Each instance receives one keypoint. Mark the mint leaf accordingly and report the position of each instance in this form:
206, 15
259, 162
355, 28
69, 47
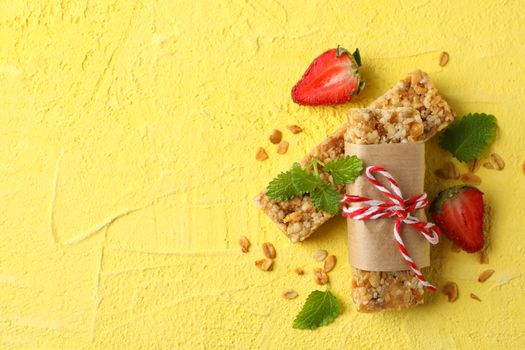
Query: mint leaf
344, 170
468, 136
303, 181
281, 188
326, 198
320, 309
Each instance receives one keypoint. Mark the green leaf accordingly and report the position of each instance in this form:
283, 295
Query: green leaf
468, 136
320, 309
303, 181
345, 170
326, 198
281, 188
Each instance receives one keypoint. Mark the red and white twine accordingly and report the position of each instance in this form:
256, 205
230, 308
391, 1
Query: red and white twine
397, 207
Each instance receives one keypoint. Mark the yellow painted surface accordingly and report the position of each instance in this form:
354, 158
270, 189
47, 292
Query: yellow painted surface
127, 141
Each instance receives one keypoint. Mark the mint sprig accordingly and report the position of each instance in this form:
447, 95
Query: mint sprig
467, 137
298, 181
320, 309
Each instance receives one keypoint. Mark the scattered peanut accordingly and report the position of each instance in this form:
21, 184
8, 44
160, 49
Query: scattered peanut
523, 168
474, 165
261, 154
268, 250
320, 255
329, 263
282, 147
485, 275
245, 244
475, 297
450, 289
443, 58
299, 271
295, 129
471, 179
488, 165
290, 294
320, 277
452, 170
483, 257
276, 136
496, 161
264, 264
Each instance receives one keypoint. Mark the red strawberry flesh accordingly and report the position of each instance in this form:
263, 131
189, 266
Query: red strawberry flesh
458, 211
330, 79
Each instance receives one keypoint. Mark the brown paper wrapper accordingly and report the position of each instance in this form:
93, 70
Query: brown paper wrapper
371, 243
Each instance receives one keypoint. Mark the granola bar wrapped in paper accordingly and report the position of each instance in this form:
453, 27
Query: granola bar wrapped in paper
390, 288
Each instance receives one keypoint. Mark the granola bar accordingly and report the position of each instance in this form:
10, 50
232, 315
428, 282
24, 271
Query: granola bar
298, 218
376, 290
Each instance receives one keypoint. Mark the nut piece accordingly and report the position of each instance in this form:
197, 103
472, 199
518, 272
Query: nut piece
329, 263
471, 179
290, 294
451, 170
299, 271
261, 154
245, 244
282, 147
450, 289
475, 297
485, 275
268, 250
276, 136
496, 161
441, 173
488, 165
474, 165
320, 255
443, 58
264, 264
523, 168
295, 129
483, 257
320, 277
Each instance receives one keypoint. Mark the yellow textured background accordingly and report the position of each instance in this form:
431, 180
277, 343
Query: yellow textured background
127, 138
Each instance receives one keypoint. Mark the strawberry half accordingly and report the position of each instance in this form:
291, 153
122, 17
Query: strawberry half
332, 78
459, 211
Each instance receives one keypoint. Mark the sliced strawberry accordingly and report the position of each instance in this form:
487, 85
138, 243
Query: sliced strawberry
332, 78
459, 211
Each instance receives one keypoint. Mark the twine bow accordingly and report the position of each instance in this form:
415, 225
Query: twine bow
397, 207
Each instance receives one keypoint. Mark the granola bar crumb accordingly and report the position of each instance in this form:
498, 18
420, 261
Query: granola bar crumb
290, 294
320, 277
450, 289
320, 255
268, 250
261, 154
295, 129
282, 147
496, 161
245, 244
299, 271
276, 136
443, 58
329, 263
474, 165
471, 179
264, 264
474, 296
485, 275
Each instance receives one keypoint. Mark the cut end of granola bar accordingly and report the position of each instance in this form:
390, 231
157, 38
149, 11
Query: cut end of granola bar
418, 91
